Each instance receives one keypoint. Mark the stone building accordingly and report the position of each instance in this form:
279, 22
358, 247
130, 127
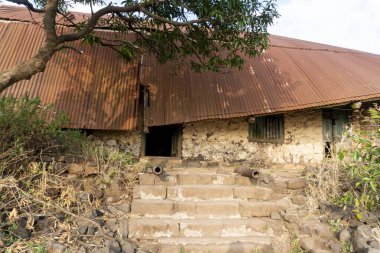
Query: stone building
290, 105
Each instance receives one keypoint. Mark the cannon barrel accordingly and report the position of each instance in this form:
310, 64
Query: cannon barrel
247, 172
157, 170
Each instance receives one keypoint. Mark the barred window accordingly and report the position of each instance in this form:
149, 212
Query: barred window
267, 129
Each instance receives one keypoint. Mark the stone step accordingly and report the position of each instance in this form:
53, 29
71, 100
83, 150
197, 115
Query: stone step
169, 228
279, 184
233, 209
201, 192
175, 178
216, 245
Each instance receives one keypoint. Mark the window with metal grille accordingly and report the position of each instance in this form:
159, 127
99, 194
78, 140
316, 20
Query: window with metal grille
267, 129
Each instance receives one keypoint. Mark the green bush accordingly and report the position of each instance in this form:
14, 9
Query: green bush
360, 164
28, 129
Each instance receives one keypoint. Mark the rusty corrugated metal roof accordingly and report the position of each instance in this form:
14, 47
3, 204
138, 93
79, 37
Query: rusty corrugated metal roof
96, 89
15, 13
291, 75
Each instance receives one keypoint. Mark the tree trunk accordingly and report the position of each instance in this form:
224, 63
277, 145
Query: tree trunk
38, 62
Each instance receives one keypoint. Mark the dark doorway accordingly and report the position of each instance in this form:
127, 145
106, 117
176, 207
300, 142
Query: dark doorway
163, 141
335, 122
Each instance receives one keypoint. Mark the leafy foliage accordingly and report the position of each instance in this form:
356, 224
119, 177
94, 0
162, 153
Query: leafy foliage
105, 156
206, 34
27, 129
360, 162
212, 34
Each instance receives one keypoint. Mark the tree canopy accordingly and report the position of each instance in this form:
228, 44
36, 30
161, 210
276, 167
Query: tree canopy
212, 33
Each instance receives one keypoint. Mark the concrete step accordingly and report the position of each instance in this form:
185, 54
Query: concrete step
177, 178
187, 228
280, 184
233, 209
201, 192
216, 245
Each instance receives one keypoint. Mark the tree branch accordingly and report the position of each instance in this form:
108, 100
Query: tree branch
71, 48
89, 27
168, 21
28, 4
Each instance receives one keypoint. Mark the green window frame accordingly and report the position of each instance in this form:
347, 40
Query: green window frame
268, 129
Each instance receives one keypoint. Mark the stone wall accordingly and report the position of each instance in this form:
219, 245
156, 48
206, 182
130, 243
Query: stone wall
227, 141
128, 141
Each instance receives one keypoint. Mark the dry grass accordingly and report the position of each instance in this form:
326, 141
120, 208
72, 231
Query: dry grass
43, 190
324, 184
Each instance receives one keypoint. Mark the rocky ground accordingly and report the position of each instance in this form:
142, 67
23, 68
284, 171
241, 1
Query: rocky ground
93, 209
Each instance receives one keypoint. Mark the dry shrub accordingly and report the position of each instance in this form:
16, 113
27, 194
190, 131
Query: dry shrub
324, 184
43, 190
32, 192
351, 177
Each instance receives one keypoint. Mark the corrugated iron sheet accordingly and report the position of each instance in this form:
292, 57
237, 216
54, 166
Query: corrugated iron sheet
291, 75
96, 89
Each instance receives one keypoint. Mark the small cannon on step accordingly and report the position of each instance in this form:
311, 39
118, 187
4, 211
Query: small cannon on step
247, 172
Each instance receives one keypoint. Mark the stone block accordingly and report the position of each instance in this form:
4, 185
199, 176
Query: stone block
257, 209
284, 203
152, 207
151, 192
146, 179
199, 228
299, 200
252, 192
244, 181
204, 192
170, 249
296, 183
223, 179
275, 215
166, 179
245, 228
279, 185
185, 209
195, 179
152, 229
323, 230
309, 244
218, 210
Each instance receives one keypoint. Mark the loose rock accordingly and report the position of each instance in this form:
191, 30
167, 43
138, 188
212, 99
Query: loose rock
55, 247
344, 236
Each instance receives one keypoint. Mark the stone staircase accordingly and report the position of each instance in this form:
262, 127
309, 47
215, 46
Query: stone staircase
210, 210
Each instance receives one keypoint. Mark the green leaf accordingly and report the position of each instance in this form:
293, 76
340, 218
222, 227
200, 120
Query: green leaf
356, 155
373, 186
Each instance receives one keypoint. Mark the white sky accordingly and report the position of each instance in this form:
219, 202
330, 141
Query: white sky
347, 23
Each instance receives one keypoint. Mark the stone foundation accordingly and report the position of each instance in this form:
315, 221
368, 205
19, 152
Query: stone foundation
127, 141
227, 141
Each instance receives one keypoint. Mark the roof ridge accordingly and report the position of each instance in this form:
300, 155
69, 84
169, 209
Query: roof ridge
348, 51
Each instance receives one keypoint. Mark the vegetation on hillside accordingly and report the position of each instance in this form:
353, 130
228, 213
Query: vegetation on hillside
40, 200
351, 178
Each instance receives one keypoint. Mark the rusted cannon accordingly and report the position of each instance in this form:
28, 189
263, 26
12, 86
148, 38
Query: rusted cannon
156, 170
247, 172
